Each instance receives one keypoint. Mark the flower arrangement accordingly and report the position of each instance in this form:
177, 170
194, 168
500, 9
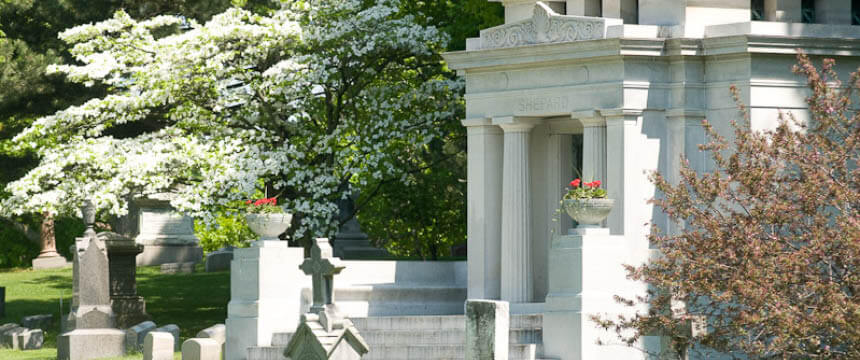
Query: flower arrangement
263, 206
580, 190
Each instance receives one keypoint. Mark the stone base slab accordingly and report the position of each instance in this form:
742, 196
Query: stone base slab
50, 262
164, 254
85, 344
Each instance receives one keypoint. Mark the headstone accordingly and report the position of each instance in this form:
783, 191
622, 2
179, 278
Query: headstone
128, 307
31, 339
167, 235
48, 258
201, 349
324, 333
350, 242
91, 320
216, 332
91, 307
173, 330
178, 268
9, 337
2, 301
41, 321
135, 336
158, 346
487, 329
219, 260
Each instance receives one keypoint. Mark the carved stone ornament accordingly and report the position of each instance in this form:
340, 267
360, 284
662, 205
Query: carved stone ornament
545, 26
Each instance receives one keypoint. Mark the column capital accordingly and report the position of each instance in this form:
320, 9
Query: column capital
512, 124
589, 118
478, 121
621, 116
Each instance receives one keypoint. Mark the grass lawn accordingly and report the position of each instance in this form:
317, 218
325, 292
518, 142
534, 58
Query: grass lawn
192, 301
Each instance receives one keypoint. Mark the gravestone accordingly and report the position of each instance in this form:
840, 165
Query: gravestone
31, 339
135, 336
324, 333
487, 329
173, 330
2, 301
9, 337
167, 235
91, 320
128, 307
350, 242
201, 349
219, 260
42, 321
215, 332
158, 346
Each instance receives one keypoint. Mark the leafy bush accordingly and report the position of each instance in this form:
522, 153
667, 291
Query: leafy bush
229, 230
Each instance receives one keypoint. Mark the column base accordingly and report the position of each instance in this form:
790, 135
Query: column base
50, 262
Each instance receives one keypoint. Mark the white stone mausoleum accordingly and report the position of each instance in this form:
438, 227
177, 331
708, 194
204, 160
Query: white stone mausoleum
599, 89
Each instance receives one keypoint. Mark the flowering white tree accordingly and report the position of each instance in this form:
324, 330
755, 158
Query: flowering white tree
330, 95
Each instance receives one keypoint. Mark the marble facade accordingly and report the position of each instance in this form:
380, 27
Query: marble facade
633, 80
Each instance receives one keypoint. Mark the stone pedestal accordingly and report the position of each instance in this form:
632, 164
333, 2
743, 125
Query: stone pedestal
85, 344
487, 330
585, 272
49, 262
129, 308
265, 295
167, 235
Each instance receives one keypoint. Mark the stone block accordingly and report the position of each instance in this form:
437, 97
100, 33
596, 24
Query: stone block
201, 349
487, 329
9, 337
41, 321
163, 254
158, 346
135, 336
177, 268
50, 262
173, 330
85, 344
219, 260
31, 339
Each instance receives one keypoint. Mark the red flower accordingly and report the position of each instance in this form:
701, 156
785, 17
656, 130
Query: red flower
248, 202
575, 182
595, 183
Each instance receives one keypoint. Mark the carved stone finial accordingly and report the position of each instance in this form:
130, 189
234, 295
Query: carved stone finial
88, 212
546, 26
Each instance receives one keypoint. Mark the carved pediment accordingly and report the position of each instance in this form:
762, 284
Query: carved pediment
546, 26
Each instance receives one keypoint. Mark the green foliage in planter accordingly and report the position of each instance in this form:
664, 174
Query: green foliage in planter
229, 230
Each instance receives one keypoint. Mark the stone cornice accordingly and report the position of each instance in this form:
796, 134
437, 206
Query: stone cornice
516, 123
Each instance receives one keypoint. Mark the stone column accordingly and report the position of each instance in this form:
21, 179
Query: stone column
583, 7
593, 148
624, 175
560, 173
48, 258
484, 208
621, 9
833, 12
517, 285
684, 134
782, 10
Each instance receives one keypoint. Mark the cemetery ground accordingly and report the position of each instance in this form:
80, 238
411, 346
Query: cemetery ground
192, 301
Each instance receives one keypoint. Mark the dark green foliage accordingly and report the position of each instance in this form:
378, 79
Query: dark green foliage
231, 230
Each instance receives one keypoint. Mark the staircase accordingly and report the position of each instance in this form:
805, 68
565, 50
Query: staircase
424, 337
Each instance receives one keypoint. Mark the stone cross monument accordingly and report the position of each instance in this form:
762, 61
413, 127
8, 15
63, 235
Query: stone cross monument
323, 333
322, 267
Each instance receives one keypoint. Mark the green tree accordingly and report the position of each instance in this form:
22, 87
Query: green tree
769, 254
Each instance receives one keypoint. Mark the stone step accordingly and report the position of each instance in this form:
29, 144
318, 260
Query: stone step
441, 337
281, 339
400, 300
435, 352
437, 322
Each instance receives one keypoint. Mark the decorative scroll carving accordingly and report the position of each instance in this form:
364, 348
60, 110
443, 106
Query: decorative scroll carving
545, 26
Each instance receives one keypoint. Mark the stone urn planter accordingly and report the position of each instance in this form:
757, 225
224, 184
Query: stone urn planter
269, 226
588, 212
